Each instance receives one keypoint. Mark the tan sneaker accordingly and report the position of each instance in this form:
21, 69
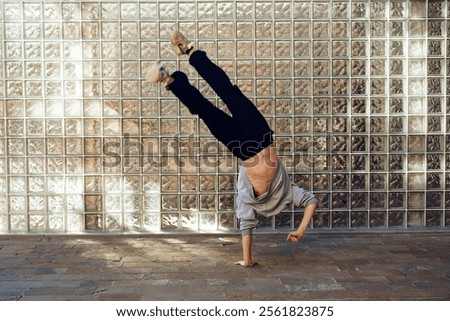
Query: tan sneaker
157, 74
181, 44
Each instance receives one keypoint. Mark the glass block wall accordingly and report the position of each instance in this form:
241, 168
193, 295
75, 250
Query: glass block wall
357, 92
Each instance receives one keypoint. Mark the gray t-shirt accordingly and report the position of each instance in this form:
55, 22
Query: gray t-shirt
281, 193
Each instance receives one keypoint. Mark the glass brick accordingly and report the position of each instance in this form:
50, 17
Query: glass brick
435, 48
302, 29
435, 28
435, 143
321, 29
227, 221
433, 218
13, 50
396, 48
189, 183
416, 124
377, 219
263, 29
321, 49
435, 86
416, 143
93, 222
113, 222
322, 220
396, 28
415, 219
434, 200
226, 202
377, 29
358, 125
339, 181
283, 10
434, 181
284, 220
417, 28
378, 162
302, 48
340, 68
17, 184
397, 9
149, 127
36, 166
264, 222
396, 219
321, 182
340, 10
37, 204
359, 219
56, 223
378, 200
189, 221
18, 222
133, 221
189, 202
359, 29
90, 11
207, 183
321, 10
378, 9
340, 219
225, 30
396, 181
152, 221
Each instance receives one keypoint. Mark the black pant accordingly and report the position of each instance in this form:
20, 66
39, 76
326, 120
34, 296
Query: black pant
246, 132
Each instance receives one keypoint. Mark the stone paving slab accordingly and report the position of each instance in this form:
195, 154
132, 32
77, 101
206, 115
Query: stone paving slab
394, 266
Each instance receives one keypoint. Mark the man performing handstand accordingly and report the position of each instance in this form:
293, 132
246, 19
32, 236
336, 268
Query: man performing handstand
264, 187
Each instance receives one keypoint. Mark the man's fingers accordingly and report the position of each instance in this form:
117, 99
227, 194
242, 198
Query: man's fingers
293, 238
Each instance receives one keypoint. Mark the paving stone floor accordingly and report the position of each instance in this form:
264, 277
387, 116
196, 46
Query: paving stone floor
394, 266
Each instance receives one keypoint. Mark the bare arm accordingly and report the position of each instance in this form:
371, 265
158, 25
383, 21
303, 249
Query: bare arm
247, 251
293, 236
308, 214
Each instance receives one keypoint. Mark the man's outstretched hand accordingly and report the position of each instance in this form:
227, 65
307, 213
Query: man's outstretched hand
295, 237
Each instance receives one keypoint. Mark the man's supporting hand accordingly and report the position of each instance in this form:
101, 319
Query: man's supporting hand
245, 264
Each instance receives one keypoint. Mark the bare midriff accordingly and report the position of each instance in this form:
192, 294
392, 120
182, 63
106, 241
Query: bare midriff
261, 168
